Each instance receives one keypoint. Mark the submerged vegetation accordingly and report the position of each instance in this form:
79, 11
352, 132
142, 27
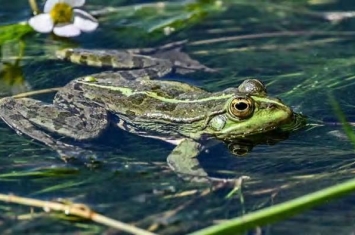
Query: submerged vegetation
302, 50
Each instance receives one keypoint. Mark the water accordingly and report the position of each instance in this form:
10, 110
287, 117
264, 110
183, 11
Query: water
291, 47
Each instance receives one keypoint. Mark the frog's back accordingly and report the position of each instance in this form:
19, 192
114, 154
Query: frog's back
149, 99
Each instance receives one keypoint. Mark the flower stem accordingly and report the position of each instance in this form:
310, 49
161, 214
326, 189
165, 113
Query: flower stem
34, 7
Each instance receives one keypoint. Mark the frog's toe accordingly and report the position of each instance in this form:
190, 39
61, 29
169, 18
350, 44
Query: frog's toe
228, 182
194, 178
79, 156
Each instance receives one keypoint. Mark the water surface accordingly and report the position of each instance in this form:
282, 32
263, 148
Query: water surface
292, 47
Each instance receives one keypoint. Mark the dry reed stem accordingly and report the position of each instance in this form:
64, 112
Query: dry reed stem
79, 210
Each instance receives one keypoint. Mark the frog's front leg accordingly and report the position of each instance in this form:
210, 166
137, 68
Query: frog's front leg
183, 160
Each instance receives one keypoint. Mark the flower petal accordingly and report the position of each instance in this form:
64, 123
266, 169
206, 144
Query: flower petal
68, 30
84, 21
41, 23
74, 3
49, 5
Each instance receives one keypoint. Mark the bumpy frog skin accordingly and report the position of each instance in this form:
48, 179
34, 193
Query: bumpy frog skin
133, 101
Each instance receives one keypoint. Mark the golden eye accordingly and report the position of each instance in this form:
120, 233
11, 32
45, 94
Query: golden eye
241, 107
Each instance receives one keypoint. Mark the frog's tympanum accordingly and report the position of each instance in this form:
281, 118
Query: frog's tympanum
132, 100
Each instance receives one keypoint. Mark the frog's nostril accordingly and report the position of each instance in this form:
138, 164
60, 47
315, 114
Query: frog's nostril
271, 106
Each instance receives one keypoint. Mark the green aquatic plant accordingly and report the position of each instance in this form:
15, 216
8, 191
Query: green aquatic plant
11, 76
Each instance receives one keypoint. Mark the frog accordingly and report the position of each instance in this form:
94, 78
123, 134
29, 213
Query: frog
131, 95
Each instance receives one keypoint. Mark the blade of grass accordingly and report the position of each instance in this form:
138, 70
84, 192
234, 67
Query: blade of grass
348, 129
279, 211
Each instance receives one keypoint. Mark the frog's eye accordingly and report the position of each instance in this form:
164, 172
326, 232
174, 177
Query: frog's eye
241, 107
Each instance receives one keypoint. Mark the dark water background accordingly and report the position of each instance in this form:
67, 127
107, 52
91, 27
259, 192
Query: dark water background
291, 47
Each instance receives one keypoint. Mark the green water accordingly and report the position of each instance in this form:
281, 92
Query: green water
291, 47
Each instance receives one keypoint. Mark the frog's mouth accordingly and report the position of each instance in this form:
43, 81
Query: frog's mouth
241, 146
297, 122
245, 135
283, 120
287, 125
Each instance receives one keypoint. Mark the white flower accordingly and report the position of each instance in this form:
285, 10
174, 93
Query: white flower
60, 17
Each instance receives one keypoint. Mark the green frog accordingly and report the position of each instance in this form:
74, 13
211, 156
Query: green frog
132, 99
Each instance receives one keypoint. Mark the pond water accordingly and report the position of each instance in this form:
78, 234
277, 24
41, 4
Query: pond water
298, 50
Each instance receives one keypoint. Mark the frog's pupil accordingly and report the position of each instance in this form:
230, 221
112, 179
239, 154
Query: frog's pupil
241, 106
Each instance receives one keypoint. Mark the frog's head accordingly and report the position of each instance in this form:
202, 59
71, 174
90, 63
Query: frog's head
250, 111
